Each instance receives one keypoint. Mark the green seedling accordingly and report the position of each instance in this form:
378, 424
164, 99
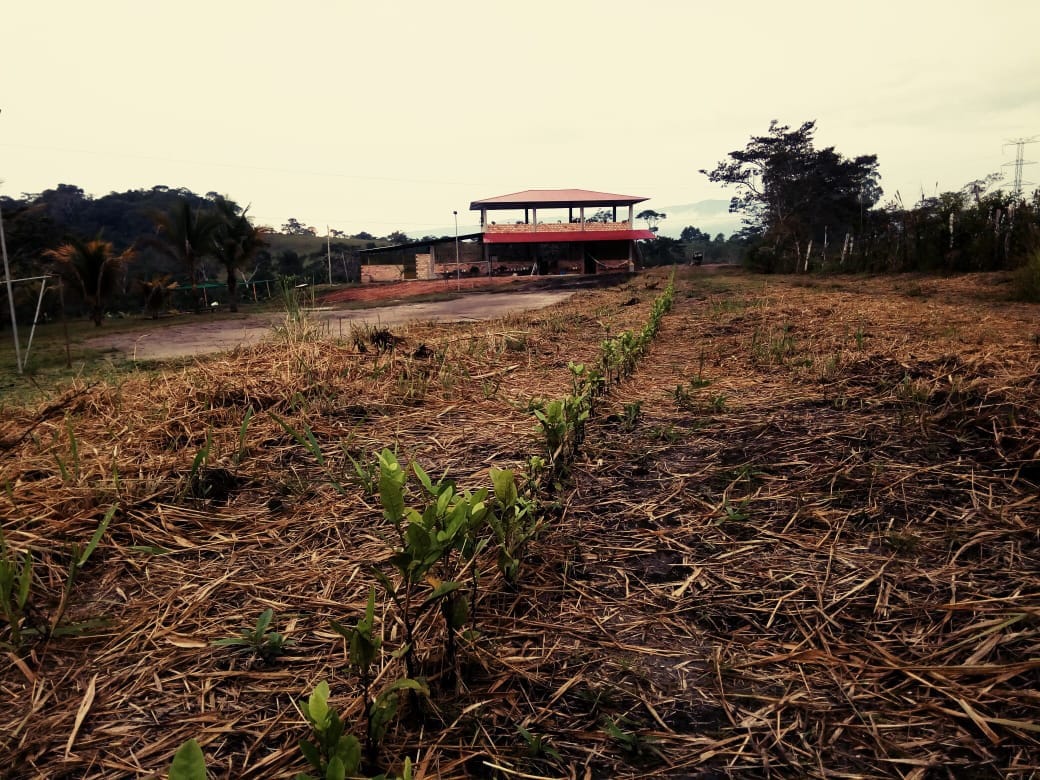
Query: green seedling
304, 438
733, 513
630, 416
331, 752
188, 762
682, 397
195, 482
633, 744
365, 475
537, 745
382, 711
70, 469
699, 381
514, 523
267, 645
363, 644
80, 556
243, 429
15, 585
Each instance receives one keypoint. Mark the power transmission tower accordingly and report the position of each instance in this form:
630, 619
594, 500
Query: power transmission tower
1020, 161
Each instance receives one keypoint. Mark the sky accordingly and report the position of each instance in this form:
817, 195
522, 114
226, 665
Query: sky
384, 115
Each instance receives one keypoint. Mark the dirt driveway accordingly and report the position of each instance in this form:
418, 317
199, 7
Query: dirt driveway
216, 335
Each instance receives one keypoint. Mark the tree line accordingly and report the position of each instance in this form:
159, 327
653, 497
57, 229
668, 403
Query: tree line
806, 208
136, 249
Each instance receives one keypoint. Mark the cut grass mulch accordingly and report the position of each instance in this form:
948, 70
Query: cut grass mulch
813, 554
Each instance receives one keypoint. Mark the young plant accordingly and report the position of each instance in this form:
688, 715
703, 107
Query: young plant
514, 523
363, 644
632, 744
15, 584
537, 745
267, 645
333, 754
630, 416
242, 431
80, 556
188, 762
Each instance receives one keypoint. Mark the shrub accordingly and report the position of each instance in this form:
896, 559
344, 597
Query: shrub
1026, 279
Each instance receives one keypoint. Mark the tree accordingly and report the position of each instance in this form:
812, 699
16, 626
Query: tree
186, 234
398, 237
293, 227
603, 215
652, 218
661, 251
792, 193
690, 233
156, 293
237, 241
93, 268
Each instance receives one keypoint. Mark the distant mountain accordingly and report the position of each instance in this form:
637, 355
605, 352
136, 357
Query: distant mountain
711, 216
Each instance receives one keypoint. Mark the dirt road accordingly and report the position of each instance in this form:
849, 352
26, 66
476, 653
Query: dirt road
216, 335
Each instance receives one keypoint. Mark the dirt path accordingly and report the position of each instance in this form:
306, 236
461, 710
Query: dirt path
216, 335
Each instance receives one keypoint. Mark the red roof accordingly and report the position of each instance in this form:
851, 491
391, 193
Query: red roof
554, 199
567, 237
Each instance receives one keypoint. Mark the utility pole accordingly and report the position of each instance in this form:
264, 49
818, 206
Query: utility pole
10, 297
1020, 162
458, 272
328, 249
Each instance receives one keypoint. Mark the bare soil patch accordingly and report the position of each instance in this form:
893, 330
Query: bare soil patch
813, 554
209, 335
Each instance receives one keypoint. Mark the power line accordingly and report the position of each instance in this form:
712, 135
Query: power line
1020, 162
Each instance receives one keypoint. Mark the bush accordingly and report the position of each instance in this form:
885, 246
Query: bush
1026, 279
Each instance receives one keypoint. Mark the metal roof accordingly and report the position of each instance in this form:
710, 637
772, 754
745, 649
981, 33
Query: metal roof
419, 243
554, 199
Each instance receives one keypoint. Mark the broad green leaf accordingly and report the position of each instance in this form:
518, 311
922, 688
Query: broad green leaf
391, 486
311, 753
188, 762
336, 769
505, 485
424, 478
349, 751
442, 590
456, 612
318, 706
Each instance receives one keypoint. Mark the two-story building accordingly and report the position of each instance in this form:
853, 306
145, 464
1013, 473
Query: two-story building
559, 231
529, 232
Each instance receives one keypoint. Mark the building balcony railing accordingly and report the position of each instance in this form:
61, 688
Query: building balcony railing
557, 227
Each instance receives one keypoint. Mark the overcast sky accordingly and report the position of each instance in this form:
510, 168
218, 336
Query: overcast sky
383, 115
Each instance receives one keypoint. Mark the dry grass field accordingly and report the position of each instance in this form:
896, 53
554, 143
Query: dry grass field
801, 540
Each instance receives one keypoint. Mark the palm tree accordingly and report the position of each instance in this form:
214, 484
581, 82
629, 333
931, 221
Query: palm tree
93, 267
237, 241
156, 293
186, 234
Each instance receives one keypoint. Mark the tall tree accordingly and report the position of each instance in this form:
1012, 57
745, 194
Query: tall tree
237, 241
93, 268
652, 218
690, 233
792, 193
186, 234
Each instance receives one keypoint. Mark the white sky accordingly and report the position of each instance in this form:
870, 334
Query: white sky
383, 115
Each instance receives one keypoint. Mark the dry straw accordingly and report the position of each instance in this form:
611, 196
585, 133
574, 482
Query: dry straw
817, 560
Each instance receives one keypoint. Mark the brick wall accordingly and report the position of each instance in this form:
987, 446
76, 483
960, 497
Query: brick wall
381, 273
